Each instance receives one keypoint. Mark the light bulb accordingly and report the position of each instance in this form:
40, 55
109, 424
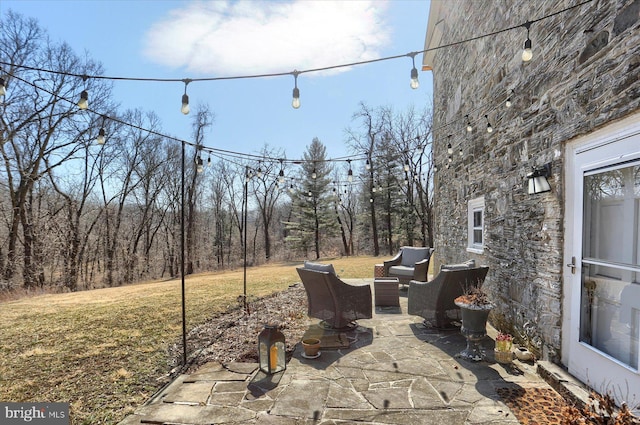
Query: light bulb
508, 103
100, 138
406, 165
199, 167
449, 149
527, 53
371, 200
83, 103
367, 165
314, 174
3, 88
185, 104
414, 79
296, 98
350, 175
281, 176
489, 128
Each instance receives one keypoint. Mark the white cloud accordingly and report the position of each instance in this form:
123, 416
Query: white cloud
222, 38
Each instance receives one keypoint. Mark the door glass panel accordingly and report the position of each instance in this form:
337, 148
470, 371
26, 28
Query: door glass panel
610, 295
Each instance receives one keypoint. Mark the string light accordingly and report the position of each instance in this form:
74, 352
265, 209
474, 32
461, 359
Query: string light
489, 128
406, 165
469, 126
209, 161
367, 165
199, 164
460, 151
83, 103
296, 92
100, 138
185, 98
350, 172
449, 147
3, 87
84, 94
314, 175
414, 72
281, 173
508, 103
527, 53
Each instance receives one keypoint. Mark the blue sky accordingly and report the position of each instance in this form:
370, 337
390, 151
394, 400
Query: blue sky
199, 39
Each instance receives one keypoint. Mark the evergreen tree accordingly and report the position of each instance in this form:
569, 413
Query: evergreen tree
313, 215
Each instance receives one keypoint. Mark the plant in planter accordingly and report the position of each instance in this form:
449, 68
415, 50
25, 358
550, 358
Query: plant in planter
504, 343
474, 308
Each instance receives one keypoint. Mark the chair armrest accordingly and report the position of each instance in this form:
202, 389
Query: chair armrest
392, 262
420, 270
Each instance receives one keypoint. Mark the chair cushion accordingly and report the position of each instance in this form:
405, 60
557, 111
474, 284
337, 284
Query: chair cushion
469, 264
319, 267
411, 255
401, 271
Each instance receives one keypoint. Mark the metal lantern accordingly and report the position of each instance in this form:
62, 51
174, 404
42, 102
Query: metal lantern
271, 350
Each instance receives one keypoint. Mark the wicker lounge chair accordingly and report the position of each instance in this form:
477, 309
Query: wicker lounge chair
434, 300
336, 303
411, 263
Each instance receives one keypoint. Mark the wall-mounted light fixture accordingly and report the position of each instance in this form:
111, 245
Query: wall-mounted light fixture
537, 179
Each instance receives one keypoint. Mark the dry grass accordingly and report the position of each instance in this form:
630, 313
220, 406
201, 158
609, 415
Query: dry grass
105, 351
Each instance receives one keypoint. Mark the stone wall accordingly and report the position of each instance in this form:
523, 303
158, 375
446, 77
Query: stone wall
584, 73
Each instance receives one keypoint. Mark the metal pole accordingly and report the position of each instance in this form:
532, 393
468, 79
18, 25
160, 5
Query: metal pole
244, 226
184, 315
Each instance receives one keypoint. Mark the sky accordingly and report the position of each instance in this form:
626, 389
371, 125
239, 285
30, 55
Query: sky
202, 39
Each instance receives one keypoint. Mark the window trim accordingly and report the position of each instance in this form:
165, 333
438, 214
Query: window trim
473, 206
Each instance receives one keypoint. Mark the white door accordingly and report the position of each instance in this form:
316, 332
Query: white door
601, 323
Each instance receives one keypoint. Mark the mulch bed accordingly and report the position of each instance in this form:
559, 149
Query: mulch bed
233, 335
534, 406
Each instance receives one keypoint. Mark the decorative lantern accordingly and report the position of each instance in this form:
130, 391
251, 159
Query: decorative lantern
271, 350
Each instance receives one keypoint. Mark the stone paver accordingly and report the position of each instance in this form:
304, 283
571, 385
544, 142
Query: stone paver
395, 371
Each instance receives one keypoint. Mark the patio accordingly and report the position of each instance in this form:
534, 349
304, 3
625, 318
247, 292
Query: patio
395, 371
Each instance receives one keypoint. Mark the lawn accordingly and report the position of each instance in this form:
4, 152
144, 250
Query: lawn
105, 351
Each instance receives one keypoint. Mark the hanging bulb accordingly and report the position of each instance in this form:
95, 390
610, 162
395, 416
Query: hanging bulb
449, 148
185, 98
414, 73
281, 176
296, 92
259, 172
379, 187
3, 87
373, 189
460, 151
527, 53
314, 175
371, 200
350, 172
450, 158
100, 138
199, 165
83, 103
406, 165
291, 188
209, 161
310, 194
435, 168
296, 98
185, 104
406, 181
367, 165
469, 126
508, 103
489, 128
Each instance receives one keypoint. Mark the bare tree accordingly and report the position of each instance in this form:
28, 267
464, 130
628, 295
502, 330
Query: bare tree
40, 127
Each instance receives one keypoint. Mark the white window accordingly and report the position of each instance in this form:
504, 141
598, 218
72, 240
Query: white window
476, 225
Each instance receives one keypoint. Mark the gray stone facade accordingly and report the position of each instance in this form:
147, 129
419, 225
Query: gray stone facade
585, 72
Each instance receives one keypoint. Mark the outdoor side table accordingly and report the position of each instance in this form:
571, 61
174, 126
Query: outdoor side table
378, 270
386, 291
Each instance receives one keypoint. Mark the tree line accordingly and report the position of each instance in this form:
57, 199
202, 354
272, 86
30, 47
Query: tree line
77, 215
